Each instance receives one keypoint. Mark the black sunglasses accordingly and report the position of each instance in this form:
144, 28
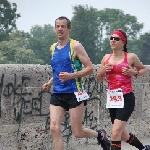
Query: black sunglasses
115, 38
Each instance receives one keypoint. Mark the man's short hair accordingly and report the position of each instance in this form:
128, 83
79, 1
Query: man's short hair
68, 21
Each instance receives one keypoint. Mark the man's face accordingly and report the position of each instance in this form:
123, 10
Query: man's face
61, 29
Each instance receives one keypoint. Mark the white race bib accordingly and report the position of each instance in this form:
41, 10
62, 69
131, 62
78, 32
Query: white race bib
115, 98
82, 95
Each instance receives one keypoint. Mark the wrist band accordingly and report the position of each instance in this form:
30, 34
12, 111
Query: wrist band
137, 73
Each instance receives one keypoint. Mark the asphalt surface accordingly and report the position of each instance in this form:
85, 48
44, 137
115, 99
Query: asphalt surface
125, 146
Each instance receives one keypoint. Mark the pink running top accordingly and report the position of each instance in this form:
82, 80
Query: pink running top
116, 79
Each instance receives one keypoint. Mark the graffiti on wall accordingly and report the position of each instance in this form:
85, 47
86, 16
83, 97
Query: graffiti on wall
23, 102
16, 94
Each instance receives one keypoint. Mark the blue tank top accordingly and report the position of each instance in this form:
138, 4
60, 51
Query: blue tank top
65, 61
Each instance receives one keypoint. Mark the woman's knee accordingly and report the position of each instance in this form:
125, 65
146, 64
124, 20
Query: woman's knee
125, 136
116, 133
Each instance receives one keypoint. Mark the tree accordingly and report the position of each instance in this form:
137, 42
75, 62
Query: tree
8, 18
16, 51
145, 49
93, 27
111, 19
41, 38
116, 19
84, 29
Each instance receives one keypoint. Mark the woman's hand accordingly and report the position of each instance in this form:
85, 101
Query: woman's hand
129, 71
108, 67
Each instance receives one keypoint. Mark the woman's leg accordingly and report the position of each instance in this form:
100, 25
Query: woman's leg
131, 139
116, 134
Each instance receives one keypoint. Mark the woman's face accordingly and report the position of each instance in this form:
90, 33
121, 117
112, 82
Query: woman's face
116, 43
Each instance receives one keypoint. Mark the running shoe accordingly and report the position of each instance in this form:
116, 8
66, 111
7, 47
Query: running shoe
147, 147
103, 141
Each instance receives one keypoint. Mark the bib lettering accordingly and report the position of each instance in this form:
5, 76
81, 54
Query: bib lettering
82, 95
115, 98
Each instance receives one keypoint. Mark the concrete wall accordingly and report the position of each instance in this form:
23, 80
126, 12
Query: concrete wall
24, 109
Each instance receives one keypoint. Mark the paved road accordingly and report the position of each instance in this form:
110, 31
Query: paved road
125, 146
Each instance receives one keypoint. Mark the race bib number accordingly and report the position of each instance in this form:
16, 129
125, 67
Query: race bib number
82, 95
115, 98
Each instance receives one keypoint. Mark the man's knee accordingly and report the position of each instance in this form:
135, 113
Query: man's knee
77, 134
55, 128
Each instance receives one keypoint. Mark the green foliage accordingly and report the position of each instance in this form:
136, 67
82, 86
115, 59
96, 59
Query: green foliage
84, 28
8, 18
133, 46
93, 27
90, 26
116, 19
105, 48
111, 19
15, 50
145, 48
41, 38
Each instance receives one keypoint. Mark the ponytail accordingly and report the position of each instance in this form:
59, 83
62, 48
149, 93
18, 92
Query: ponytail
125, 48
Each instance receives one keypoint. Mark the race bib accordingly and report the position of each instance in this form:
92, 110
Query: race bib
115, 98
82, 95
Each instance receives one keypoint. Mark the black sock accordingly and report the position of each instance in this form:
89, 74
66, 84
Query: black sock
115, 145
99, 135
135, 142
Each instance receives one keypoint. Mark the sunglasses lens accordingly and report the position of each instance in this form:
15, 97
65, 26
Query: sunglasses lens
114, 38
111, 38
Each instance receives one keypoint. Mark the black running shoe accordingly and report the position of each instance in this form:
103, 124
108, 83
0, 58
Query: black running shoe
105, 143
147, 147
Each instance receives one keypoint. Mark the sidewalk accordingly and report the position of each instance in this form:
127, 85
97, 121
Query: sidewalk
125, 146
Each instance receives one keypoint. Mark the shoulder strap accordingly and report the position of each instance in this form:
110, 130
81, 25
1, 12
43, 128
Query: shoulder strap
71, 43
53, 48
108, 58
72, 53
71, 46
76, 63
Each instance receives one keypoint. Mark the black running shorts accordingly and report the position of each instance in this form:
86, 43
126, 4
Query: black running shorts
123, 114
65, 100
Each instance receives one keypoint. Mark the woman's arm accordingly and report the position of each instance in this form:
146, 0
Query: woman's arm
141, 69
101, 73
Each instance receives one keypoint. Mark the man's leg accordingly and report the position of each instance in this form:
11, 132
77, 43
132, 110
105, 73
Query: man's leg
76, 117
56, 117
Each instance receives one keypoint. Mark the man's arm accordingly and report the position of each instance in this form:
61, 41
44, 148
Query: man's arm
85, 60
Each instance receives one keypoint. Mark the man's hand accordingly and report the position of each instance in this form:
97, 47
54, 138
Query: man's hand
46, 87
64, 76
